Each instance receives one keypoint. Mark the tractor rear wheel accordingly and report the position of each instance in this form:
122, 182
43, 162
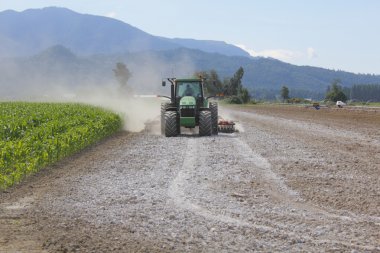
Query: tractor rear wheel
205, 123
214, 117
171, 124
164, 106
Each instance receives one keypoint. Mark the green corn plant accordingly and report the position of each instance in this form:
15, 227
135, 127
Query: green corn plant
34, 135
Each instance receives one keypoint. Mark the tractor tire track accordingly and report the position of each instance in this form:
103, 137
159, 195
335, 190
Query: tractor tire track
181, 189
179, 185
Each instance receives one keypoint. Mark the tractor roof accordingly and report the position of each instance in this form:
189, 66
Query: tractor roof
188, 80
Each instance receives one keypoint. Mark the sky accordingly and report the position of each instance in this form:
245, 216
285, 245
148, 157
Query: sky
334, 34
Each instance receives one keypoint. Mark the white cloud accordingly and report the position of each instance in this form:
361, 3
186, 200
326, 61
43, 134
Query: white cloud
280, 54
311, 53
111, 14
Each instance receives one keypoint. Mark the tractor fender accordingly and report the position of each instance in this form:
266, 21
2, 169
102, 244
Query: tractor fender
171, 109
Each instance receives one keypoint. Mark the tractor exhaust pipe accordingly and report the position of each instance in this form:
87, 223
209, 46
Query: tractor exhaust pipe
172, 93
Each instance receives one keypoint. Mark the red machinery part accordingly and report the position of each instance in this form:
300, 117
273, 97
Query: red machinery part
226, 122
226, 126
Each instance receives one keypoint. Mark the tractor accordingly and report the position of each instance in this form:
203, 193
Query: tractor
189, 108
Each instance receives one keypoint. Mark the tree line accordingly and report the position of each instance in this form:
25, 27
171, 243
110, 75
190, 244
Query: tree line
358, 92
365, 92
231, 87
336, 92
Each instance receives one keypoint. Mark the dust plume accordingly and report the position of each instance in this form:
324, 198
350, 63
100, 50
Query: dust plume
228, 115
135, 112
147, 74
62, 76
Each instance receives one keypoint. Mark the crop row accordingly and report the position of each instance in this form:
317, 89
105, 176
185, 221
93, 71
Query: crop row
34, 135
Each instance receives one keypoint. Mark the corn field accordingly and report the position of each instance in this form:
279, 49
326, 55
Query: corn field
34, 135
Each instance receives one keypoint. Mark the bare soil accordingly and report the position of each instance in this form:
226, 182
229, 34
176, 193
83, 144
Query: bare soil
292, 179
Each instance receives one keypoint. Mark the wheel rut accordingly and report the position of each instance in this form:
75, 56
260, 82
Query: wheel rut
284, 208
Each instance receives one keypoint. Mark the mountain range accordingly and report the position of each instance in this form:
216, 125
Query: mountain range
56, 47
33, 30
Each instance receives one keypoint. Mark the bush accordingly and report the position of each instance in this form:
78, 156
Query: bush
298, 101
253, 102
233, 100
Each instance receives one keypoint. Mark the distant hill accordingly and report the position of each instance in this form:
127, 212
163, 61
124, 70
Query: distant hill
58, 68
57, 49
211, 46
31, 31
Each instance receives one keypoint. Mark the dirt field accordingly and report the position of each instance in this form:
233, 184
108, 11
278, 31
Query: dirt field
293, 179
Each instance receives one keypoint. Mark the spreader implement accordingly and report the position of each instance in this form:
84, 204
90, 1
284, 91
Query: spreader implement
226, 126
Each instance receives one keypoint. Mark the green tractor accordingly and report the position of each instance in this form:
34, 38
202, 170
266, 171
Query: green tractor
188, 107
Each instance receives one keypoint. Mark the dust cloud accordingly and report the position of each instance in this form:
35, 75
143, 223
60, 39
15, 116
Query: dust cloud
92, 81
226, 115
140, 105
135, 112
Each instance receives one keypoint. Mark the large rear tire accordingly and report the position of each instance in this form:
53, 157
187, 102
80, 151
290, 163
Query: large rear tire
164, 106
214, 117
171, 124
205, 123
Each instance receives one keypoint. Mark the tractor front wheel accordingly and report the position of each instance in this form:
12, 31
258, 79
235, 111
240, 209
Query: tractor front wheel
205, 123
171, 124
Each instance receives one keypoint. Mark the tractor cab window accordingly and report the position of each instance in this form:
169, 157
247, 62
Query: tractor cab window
189, 89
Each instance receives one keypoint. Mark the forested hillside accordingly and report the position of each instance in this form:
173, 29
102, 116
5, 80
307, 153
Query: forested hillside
59, 66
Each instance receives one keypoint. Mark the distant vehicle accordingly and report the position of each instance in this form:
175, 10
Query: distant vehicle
340, 104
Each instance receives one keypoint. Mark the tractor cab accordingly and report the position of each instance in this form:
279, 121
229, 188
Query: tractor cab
187, 88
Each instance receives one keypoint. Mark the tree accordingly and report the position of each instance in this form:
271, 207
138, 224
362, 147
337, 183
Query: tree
122, 74
230, 87
216, 82
212, 83
234, 85
335, 92
285, 93
244, 95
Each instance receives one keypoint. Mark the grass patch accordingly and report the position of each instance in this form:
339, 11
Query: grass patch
34, 135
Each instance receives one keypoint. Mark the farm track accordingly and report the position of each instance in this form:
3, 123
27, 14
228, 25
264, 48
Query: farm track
292, 179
